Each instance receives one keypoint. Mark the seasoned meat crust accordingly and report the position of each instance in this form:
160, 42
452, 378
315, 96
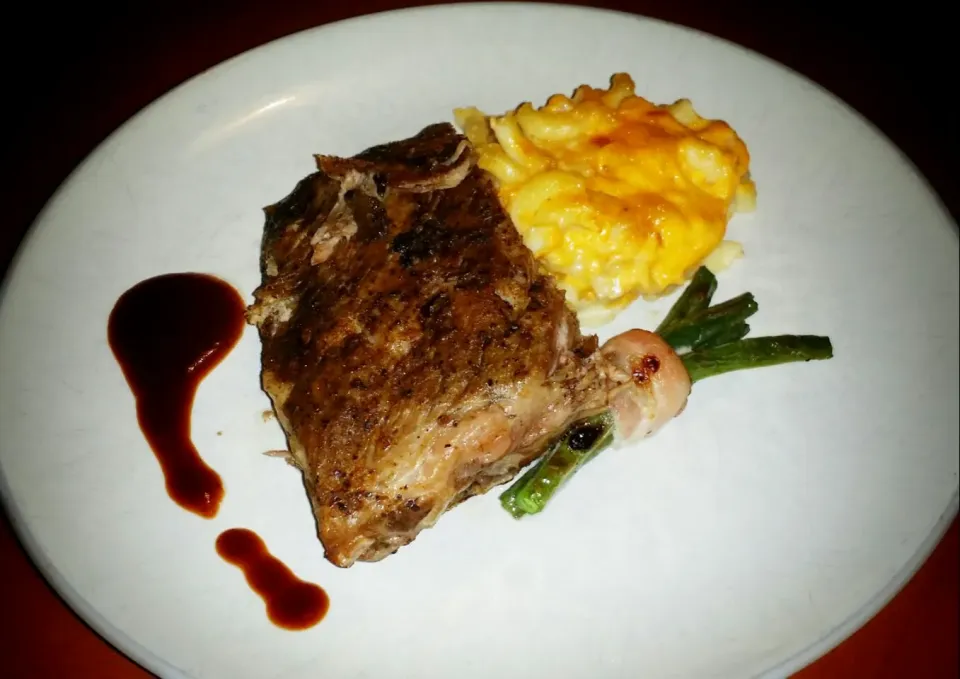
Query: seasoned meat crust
414, 353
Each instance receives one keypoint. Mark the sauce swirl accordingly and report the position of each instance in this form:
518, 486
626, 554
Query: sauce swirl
167, 333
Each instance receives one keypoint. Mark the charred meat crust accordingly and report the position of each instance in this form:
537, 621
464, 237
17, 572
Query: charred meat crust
424, 162
409, 341
313, 198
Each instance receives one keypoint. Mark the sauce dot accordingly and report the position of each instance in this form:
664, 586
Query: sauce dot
292, 603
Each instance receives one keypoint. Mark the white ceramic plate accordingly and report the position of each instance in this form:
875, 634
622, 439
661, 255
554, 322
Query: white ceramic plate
780, 511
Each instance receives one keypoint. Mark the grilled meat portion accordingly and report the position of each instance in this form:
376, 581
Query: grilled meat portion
413, 351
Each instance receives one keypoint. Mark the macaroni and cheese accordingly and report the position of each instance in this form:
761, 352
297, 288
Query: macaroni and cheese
617, 197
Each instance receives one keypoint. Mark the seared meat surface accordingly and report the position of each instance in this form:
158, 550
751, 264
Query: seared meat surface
414, 353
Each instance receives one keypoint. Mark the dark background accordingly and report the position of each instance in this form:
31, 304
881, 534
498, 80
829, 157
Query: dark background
72, 74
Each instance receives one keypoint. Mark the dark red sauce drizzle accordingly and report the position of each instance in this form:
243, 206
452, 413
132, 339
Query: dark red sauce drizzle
168, 333
292, 603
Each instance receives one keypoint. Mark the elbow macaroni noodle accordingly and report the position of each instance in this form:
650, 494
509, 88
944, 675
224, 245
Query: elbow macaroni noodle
617, 197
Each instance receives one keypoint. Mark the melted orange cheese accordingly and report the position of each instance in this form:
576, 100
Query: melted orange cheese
616, 196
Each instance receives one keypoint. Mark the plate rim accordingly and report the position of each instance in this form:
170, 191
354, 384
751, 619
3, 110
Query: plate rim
126, 645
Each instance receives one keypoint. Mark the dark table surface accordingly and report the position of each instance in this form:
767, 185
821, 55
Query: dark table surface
75, 73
